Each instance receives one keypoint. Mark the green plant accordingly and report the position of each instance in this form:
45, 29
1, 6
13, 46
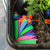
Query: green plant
35, 5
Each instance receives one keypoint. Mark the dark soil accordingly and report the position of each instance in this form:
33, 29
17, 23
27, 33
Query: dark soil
41, 32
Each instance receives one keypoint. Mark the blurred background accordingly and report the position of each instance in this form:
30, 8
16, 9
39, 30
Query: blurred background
3, 43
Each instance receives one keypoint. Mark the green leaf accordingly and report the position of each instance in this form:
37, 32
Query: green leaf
26, 9
48, 3
44, 7
29, 2
28, 13
24, 1
33, 12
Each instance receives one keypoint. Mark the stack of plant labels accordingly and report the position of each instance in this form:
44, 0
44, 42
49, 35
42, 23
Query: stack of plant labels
23, 29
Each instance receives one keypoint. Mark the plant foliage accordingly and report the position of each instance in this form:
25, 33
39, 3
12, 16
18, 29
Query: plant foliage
35, 5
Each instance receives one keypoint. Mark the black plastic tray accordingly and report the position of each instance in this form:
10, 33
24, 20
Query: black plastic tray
10, 39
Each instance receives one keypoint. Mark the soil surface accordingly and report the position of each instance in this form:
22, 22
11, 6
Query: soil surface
41, 32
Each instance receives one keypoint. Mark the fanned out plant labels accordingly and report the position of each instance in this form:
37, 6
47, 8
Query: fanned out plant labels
24, 32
